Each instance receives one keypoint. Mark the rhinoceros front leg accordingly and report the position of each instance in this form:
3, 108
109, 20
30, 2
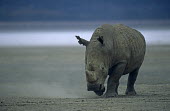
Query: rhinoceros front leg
113, 80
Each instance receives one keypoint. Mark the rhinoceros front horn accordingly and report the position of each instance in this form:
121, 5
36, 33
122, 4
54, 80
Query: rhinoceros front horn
91, 77
82, 41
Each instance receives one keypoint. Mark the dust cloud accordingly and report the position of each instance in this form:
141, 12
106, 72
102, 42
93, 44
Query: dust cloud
41, 90
43, 72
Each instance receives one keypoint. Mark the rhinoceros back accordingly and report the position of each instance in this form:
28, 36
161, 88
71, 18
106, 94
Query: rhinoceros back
128, 44
122, 43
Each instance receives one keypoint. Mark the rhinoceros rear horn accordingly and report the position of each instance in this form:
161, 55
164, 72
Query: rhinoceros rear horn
100, 39
82, 41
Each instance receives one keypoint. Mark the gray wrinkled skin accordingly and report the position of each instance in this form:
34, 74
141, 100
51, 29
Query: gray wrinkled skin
113, 50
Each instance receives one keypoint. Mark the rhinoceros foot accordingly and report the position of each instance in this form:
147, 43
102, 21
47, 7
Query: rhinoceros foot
109, 95
130, 93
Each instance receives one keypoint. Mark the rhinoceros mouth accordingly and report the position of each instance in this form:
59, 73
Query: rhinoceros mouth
94, 87
100, 92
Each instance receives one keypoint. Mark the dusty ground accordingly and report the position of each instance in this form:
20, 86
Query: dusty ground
52, 79
150, 98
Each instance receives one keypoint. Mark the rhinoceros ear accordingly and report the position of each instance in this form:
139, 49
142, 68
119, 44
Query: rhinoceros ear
100, 39
82, 41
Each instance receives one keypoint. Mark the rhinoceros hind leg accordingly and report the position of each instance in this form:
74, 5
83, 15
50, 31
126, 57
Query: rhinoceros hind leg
131, 81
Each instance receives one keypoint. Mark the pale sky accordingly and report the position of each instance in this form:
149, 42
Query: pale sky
68, 37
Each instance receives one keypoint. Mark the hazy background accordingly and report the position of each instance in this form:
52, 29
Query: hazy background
58, 70
56, 22
83, 10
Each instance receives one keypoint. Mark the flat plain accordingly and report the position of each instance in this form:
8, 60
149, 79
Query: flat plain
53, 79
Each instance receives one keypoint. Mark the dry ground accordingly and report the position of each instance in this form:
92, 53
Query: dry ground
52, 79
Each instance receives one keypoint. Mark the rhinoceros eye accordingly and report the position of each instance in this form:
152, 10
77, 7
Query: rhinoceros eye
102, 67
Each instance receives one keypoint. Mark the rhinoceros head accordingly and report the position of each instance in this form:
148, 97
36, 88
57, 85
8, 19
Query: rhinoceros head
95, 64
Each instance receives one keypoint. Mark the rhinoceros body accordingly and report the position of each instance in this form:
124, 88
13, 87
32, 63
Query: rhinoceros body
113, 50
